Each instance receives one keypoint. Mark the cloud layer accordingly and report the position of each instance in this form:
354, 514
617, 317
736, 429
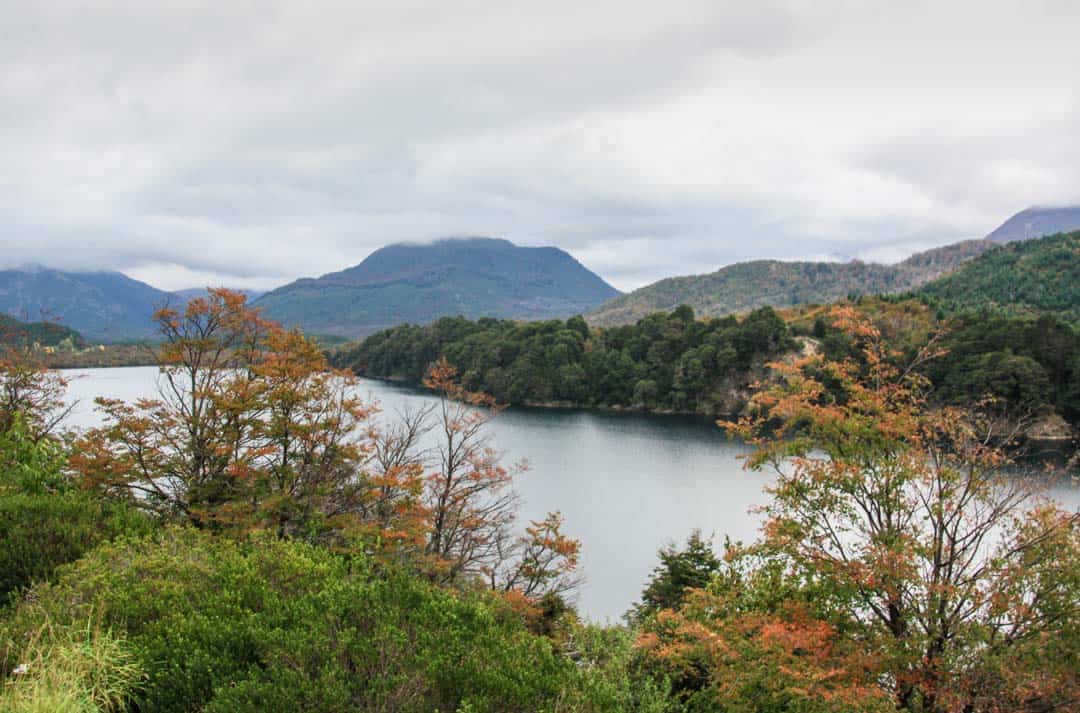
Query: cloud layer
252, 143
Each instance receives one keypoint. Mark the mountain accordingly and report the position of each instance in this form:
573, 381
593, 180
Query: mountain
1036, 222
748, 285
406, 282
47, 334
192, 292
103, 306
1039, 275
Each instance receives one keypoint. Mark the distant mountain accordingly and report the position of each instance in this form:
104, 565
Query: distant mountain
748, 285
193, 292
47, 334
103, 306
1040, 275
474, 277
1036, 222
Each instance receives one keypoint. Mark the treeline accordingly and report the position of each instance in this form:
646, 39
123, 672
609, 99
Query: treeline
666, 361
1025, 365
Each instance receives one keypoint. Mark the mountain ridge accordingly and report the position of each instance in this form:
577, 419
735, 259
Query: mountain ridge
748, 285
1037, 221
104, 306
420, 282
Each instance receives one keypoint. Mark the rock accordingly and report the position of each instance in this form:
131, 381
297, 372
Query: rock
1050, 428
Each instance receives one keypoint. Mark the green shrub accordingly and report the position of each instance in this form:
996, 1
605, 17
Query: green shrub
278, 626
38, 533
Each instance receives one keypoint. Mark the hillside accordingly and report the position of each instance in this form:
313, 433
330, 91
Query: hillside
749, 285
410, 283
1040, 275
46, 334
1036, 222
102, 306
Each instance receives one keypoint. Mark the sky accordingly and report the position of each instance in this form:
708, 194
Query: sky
251, 143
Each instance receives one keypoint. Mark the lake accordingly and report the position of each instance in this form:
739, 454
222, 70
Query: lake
627, 483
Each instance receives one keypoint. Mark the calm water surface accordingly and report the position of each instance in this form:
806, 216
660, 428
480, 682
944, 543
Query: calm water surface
626, 483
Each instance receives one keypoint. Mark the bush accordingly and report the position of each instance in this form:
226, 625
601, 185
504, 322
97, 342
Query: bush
267, 626
38, 533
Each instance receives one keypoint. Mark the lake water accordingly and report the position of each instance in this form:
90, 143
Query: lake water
627, 483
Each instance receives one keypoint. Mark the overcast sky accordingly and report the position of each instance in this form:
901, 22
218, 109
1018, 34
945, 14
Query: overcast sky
250, 143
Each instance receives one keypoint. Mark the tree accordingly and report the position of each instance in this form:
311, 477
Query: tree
250, 429
31, 394
679, 570
925, 550
472, 506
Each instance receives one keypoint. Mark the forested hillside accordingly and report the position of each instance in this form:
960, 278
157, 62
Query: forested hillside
1029, 277
749, 285
667, 361
45, 334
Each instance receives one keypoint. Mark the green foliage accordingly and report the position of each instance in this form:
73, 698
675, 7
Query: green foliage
40, 532
44, 521
1020, 278
691, 567
1025, 365
29, 465
619, 678
665, 361
222, 626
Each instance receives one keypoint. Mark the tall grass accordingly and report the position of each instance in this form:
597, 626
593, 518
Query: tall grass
71, 670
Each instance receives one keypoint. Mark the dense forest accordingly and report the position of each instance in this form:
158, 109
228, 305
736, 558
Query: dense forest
670, 362
250, 540
1030, 277
663, 362
1026, 365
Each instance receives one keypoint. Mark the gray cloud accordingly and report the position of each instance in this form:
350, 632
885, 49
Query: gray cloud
252, 143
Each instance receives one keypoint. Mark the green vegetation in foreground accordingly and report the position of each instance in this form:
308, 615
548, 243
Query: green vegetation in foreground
664, 362
1029, 278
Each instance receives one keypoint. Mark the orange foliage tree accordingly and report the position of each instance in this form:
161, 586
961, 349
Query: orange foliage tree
926, 550
250, 428
472, 506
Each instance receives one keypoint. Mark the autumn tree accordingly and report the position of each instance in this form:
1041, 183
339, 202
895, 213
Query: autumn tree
925, 548
250, 428
472, 505
31, 394
393, 506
